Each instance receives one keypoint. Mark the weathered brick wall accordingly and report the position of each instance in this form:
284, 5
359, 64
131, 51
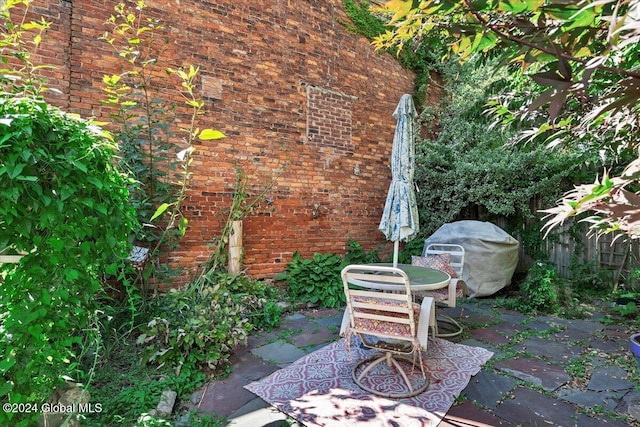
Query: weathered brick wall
294, 92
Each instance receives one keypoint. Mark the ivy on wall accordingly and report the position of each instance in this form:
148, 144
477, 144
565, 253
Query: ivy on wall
421, 59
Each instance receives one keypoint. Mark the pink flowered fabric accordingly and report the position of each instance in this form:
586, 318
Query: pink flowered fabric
440, 262
382, 326
318, 389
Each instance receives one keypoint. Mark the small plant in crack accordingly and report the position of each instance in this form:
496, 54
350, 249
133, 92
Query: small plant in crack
286, 334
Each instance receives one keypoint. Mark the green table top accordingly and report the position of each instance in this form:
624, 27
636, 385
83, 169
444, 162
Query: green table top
422, 278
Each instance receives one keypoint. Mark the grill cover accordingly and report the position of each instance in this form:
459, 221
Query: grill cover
491, 255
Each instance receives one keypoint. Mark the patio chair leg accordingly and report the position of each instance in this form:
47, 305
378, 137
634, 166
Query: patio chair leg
372, 365
388, 357
401, 371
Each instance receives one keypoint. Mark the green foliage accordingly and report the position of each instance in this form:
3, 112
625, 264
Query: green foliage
357, 255
589, 279
65, 204
241, 206
317, 280
413, 247
471, 164
628, 309
421, 58
194, 327
141, 115
127, 394
257, 298
19, 75
363, 21
543, 291
581, 61
627, 304
142, 121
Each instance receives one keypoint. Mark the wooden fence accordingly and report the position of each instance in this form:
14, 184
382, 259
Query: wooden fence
616, 255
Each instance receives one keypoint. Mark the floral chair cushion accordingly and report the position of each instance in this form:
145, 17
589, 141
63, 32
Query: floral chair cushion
440, 295
440, 262
391, 328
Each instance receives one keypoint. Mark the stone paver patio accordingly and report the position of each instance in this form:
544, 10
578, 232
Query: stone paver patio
526, 383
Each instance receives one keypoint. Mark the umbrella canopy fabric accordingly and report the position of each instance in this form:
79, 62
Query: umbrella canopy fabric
400, 216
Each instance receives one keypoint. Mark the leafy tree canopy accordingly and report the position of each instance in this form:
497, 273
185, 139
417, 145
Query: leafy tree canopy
582, 57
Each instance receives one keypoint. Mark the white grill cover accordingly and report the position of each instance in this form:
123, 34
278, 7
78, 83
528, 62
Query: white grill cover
491, 255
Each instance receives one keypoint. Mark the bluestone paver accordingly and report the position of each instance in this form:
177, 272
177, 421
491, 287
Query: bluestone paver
280, 353
494, 397
536, 372
488, 389
531, 408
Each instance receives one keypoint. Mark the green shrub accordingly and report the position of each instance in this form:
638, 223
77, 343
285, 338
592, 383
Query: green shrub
317, 280
199, 326
258, 299
543, 291
357, 255
194, 328
66, 205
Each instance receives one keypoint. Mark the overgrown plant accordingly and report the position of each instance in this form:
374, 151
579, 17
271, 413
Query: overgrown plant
317, 280
67, 207
422, 58
198, 327
159, 159
581, 56
19, 74
471, 163
242, 205
543, 291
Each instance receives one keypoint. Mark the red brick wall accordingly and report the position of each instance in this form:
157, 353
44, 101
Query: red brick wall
291, 89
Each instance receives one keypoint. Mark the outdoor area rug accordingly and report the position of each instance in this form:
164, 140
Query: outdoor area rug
317, 390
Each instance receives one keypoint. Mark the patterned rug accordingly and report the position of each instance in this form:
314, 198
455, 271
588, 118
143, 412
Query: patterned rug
318, 390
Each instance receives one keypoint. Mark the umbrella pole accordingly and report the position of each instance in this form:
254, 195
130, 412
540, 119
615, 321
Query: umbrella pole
395, 253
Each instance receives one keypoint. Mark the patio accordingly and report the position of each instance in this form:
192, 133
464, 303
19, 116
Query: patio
502, 394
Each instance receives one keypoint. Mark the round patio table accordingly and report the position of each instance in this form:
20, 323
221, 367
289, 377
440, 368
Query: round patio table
421, 278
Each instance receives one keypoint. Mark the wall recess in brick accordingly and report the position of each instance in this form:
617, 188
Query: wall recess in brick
329, 118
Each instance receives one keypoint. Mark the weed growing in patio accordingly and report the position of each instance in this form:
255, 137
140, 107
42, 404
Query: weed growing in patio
542, 291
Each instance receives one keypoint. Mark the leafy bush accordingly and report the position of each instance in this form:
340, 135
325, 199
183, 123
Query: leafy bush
357, 255
543, 291
194, 328
317, 280
472, 164
199, 326
589, 279
66, 205
256, 297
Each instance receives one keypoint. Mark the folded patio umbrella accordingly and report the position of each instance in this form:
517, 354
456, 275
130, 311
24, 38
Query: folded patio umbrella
400, 216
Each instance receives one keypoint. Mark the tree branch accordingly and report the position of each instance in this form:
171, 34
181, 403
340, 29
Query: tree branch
555, 52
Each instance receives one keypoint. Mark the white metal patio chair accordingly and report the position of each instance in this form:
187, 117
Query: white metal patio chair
388, 322
450, 259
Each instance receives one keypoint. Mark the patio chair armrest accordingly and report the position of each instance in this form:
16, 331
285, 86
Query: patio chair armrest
427, 318
454, 285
